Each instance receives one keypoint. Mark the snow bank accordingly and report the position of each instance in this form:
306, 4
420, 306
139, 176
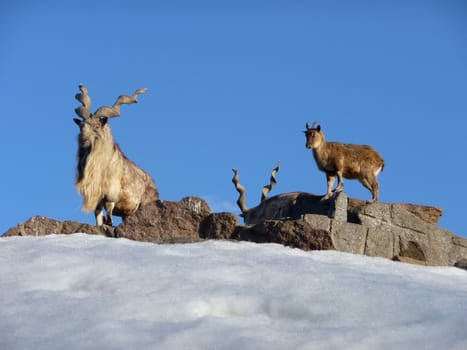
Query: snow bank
90, 292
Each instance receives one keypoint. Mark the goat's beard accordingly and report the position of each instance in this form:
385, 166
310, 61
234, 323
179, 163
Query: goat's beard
84, 142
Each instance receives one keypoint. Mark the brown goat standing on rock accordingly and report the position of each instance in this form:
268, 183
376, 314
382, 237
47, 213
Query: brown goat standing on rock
105, 176
360, 162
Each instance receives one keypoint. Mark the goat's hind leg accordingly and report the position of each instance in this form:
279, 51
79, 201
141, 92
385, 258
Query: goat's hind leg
109, 207
372, 185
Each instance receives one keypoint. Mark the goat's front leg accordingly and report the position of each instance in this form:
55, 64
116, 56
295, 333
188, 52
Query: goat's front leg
99, 215
330, 179
340, 182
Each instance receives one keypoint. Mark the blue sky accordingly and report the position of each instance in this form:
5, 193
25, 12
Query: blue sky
232, 84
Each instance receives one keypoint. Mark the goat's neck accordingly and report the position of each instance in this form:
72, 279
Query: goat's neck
91, 160
103, 148
321, 152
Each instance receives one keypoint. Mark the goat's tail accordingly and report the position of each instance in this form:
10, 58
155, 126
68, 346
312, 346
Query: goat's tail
380, 169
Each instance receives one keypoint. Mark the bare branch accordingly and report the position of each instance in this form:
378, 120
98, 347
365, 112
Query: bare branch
272, 183
114, 111
241, 190
83, 111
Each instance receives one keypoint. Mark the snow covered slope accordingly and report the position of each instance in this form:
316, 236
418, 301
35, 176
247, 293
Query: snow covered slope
91, 292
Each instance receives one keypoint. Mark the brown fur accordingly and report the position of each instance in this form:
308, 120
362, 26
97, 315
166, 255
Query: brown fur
348, 161
105, 176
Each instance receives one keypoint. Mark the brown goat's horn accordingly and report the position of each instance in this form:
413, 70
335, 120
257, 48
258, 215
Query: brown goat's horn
83, 111
241, 190
272, 182
308, 127
114, 111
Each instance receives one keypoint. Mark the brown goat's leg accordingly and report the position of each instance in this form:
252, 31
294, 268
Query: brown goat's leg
375, 190
330, 179
340, 182
372, 185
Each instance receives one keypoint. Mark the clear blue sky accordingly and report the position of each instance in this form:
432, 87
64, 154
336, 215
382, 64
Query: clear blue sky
232, 84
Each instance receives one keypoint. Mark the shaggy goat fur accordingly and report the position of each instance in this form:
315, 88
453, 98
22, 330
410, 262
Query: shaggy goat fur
105, 176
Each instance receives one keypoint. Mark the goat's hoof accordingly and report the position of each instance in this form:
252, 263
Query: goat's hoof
108, 221
109, 231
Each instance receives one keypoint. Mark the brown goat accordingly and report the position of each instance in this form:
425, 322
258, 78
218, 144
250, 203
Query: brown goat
360, 162
105, 176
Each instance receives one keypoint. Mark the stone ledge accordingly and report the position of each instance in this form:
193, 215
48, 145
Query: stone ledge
349, 225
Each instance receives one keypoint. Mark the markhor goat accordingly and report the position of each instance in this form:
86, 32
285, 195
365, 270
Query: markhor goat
267, 208
360, 162
105, 177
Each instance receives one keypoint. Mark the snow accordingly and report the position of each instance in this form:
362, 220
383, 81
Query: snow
90, 292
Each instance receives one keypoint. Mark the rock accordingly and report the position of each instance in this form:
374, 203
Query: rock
41, 226
166, 221
338, 207
410, 260
399, 231
160, 221
287, 206
219, 226
462, 264
402, 232
428, 214
348, 237
294, 233
411, 250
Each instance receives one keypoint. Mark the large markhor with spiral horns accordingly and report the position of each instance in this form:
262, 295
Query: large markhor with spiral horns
105, 176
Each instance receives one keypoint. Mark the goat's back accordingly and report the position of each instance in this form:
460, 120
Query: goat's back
355, 159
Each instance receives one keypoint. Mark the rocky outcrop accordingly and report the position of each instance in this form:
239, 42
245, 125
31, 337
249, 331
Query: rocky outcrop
428, 214
41, 226
403, 232
462, 264
219, 226
407, 231
166, 221
157, 222
295, 233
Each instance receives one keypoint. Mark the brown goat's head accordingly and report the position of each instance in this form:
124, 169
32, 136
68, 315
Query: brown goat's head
314, 136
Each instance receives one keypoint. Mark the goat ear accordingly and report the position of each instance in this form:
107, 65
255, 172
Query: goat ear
77, 121
318, 128
104, 120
